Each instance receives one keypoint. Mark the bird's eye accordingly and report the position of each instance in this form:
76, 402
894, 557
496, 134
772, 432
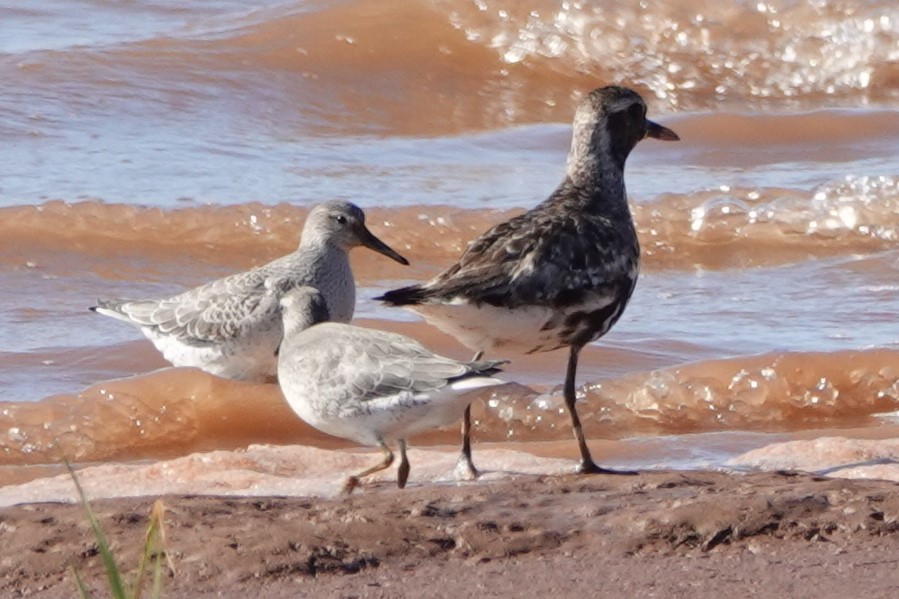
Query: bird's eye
341, 219
637, 111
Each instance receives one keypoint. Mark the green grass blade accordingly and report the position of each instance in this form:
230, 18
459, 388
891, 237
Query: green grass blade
82, 588
112, 571
157, 576
146, 556
154, 549
157, 517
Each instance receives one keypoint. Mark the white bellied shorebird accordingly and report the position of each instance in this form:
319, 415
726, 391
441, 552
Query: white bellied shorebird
559, 275
369, 386
231, 327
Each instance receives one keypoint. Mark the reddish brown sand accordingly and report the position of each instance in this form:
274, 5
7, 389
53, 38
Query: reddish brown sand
659, 534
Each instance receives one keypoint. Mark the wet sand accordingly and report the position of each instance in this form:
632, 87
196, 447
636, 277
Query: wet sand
656, 534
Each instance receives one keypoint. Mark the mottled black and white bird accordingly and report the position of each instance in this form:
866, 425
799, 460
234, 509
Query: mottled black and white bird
231, 327
373, 387
559, 275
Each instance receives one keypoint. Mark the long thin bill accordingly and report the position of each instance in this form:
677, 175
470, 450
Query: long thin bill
370, 241
657, 131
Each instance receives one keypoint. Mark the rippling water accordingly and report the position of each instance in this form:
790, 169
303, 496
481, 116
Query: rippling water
152, 146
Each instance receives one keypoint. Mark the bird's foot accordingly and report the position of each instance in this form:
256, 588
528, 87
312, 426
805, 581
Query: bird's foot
350, 484
402, 474
590, 467
465, 469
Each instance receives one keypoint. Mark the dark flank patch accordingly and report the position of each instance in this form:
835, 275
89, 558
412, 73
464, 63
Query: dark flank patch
583, 327
570, 297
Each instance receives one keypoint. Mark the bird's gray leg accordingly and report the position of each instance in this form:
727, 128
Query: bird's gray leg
402, 473
588, 466
465, 469
353, 481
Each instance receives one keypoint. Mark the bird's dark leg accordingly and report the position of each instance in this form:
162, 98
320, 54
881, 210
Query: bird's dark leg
353, 481
465, 469
402, 473
588, 466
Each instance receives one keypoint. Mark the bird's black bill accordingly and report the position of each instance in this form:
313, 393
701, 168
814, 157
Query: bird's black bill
657, 131
373, 243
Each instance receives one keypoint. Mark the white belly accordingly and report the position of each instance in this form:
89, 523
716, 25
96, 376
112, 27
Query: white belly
527, 329
493, 329
246, 359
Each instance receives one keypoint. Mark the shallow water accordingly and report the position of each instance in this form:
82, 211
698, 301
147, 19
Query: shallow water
150, 147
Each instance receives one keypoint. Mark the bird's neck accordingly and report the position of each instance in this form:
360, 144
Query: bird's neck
322, 245
598, 188
596, 170
294, 327
301, 319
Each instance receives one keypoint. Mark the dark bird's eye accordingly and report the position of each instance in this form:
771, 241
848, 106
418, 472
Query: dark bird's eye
341, 219
636, 111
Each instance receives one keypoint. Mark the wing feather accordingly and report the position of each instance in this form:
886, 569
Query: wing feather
218, 311
539, 258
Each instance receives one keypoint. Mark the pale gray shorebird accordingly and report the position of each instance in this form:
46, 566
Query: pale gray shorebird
369, 386
559, 275
231, 327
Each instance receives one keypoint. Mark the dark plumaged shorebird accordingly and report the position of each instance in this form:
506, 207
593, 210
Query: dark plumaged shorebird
559, 275
231, 327
369, 386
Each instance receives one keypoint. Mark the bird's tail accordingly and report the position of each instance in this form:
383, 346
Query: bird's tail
404, 296
111, 307
479, 375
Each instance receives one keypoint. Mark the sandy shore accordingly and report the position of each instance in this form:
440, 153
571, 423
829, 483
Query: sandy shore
656, 534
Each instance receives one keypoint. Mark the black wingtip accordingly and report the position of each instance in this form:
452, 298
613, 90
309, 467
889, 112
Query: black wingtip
488, 367
93, 308
480, 368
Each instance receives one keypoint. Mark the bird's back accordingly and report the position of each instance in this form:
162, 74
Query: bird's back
366, 385
553, 276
